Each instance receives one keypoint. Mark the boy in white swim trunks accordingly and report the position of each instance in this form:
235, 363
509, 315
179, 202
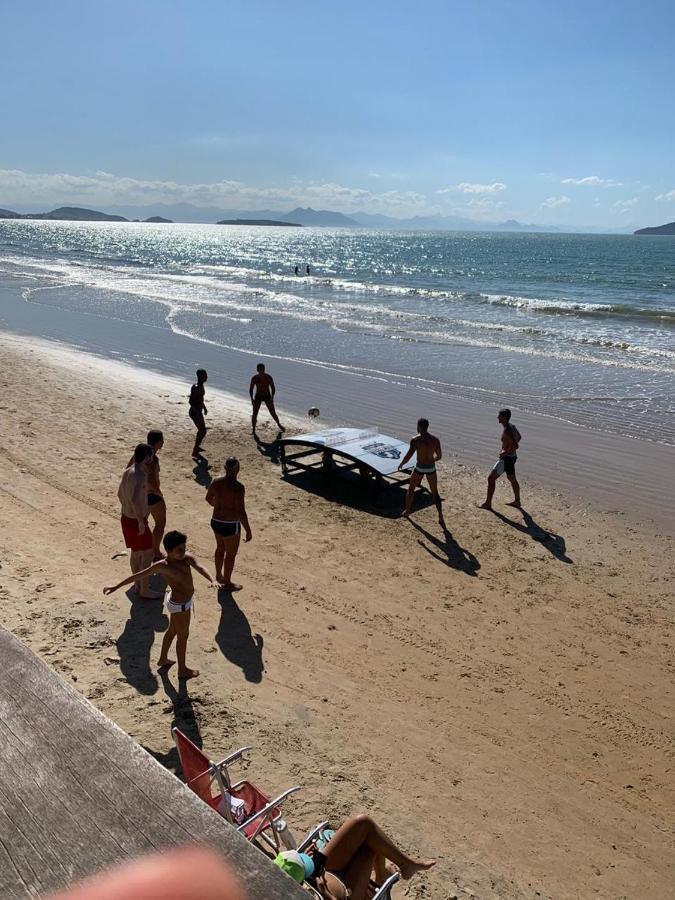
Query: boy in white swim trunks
506, 464
176, 570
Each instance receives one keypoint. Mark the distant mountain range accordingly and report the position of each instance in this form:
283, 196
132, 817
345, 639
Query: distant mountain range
325, 218
668, 228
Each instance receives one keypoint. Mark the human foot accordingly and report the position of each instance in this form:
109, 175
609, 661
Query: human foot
230, 586
165, 663
188, 673
414, 866
486, 506
514, 503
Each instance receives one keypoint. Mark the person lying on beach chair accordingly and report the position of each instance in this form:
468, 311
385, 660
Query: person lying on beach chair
176, 570
428, 449
343, 867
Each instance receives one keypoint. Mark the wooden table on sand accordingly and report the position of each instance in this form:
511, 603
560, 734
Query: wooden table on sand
78, 795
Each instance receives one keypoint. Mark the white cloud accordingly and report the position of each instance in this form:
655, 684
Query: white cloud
669, 196
553, 202
104, 188
592, 181
625, 205
465, 187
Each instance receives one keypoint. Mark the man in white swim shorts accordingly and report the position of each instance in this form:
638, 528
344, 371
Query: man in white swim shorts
176, 570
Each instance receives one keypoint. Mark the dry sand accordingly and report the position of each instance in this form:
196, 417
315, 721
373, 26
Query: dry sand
501, 700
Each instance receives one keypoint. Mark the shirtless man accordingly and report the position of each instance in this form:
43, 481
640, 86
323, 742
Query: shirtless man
264, 387
428, 450
133, 496
156, 504
226, 496
198, 410
506, 464
176, 570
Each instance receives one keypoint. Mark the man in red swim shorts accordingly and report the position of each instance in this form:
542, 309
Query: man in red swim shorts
133, 496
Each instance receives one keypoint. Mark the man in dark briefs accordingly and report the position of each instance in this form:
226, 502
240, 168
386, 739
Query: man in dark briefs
227, 497
198, 410
263, 385
428, 450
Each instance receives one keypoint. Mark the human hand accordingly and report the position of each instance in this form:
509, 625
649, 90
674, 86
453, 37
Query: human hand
181, 874
206, 412
249, 536
109, 590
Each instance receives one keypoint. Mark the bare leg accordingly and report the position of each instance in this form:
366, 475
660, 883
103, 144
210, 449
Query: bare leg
169, 635
219, 557
231, 548
432, 478
200, 425
273, 413
492, 481
415, 481
254, 414
516, 491
139, 560
181, 622
158, 513
360, 831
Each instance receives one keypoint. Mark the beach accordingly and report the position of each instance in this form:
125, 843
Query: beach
500, 699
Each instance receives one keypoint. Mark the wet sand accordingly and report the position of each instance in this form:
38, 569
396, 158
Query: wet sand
499, 697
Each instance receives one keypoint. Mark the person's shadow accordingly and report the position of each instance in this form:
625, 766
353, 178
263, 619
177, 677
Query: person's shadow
135, 643
236, 642
450, 552
183, 718
554, 543
201, 471
270, 449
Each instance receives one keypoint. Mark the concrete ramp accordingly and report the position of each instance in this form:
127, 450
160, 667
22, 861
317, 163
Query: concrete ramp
78, 795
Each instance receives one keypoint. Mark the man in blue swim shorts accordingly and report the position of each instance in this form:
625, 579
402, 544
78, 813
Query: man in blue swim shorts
506, 464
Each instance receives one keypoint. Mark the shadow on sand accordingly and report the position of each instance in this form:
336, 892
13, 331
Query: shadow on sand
135, 643
450, 552
183, 718
201, 471
236, 642
270, 449
353, 490
554, 543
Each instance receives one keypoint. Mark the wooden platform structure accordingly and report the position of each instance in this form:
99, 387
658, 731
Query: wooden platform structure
376, 457
78, 795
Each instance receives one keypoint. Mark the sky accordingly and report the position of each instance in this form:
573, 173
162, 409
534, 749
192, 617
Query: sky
546, 112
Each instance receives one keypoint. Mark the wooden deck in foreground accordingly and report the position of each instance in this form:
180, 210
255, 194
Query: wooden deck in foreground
78, 795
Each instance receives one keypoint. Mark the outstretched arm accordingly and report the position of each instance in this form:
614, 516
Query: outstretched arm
408, 455
155, 567
202, 571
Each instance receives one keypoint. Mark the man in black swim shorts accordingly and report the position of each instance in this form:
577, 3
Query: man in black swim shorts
226, 496
198, 410
263, 386
506, 464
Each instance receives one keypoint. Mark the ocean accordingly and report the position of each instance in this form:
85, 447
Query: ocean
577, 327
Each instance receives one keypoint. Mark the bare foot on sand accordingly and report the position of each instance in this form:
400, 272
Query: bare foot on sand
188, 673
513, 503
415, 866
165, 663
486, 506
229, 586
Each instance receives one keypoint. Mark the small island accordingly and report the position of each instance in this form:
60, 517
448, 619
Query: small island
669, 228
258, 222
159, 220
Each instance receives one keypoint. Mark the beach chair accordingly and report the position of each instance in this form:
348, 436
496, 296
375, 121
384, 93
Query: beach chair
375, 892
262, 820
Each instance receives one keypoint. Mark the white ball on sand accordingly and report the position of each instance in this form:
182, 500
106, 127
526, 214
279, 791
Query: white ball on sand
313, 412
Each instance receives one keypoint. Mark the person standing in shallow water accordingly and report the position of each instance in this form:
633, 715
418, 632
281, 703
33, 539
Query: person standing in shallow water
506, 464
198, 410
226, 496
